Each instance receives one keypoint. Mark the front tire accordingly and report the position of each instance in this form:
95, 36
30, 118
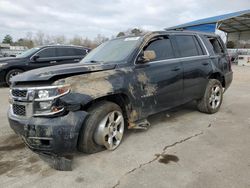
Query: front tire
211, 101
103, 128
12, 73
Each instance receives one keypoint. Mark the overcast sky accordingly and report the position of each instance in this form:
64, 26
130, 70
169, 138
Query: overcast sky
107, 17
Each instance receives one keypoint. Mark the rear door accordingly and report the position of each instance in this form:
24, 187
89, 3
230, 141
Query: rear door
220, 54
196, 65
160, 80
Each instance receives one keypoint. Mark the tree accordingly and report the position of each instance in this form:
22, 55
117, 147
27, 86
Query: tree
136, 31
100, 39
24, 42
39, 38
76, 41
120, 34
88, 43
8, 39
61, 39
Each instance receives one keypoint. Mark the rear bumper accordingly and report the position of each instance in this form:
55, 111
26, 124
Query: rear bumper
228, 79
53, 136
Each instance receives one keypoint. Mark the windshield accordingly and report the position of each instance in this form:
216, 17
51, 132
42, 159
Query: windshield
28, 52
113, 50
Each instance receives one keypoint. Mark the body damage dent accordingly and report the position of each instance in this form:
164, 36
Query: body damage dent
88, 87
58, 135
74, 101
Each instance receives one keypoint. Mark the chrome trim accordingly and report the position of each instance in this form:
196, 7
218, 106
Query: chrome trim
48, 114
31, 92
40, 51
40, 138
56, 48
28, 109
52, 98
42, 87
182, 58
29, 100
203, 44
178, 58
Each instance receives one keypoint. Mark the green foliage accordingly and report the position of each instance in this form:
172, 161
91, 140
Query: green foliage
136, 31
120, 34
7, 39
24, 42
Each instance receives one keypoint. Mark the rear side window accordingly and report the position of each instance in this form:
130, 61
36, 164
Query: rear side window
80, 52
47, 52
188, 46
162, 47
216, 45
199, 46
65, 51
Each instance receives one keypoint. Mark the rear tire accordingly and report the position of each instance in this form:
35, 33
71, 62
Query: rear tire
10, 74
211, 101
97, 131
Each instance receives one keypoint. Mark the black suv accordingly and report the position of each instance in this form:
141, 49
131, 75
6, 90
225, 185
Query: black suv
40, 57
87, 106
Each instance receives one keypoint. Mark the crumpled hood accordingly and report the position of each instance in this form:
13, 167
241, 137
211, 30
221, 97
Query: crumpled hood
47, 73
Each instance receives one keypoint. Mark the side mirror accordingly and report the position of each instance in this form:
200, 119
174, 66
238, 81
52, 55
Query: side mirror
148, 55
35, 57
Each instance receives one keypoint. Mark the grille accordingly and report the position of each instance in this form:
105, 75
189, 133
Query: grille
19, 93
19, 110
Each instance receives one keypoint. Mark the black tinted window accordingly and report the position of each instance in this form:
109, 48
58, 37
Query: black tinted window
198, 46
187, 46
163, 49
216, 46
65, 51
47, 52
80, 52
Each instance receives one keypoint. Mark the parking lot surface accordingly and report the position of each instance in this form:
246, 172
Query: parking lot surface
182, 148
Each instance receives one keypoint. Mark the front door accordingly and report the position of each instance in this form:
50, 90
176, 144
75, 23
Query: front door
46, 57
160, 80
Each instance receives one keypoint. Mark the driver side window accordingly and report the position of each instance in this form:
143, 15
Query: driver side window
47, 52
162, 48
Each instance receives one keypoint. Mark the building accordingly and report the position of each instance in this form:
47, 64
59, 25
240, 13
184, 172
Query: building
236, 27
7, 50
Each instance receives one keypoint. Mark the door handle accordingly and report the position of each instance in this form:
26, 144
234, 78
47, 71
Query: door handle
53, 62
205, 63
76, 60
176, 69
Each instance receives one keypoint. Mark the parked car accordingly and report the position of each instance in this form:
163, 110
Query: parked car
39, 57
87, 106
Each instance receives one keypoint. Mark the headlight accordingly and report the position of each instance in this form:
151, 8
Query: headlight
45, 99
45, 105
52, 92
3, 64
43, 94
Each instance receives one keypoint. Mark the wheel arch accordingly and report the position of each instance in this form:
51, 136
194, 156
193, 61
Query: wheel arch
218, 76
12, 68
120, 99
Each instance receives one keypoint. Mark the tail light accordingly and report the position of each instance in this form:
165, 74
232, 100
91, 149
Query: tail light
229, 62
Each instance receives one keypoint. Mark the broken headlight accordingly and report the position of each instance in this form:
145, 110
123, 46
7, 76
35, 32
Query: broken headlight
45, 99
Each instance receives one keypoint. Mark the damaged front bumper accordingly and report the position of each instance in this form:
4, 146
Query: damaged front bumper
55, 136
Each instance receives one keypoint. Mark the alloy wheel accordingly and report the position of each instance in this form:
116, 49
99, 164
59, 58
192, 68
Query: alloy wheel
215, 97
110, 130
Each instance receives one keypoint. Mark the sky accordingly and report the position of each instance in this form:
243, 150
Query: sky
87, 18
